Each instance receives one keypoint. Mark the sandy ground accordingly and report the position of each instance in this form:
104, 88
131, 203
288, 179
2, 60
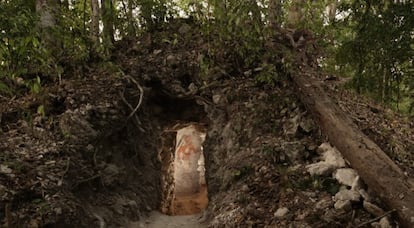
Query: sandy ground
191, 204
159, 220
187, 209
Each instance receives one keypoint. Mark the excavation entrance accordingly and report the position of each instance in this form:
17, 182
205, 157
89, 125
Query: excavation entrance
184, 184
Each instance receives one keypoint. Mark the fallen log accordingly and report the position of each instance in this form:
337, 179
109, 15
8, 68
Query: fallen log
377, 170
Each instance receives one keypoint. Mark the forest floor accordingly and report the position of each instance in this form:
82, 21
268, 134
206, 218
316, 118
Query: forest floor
93, 159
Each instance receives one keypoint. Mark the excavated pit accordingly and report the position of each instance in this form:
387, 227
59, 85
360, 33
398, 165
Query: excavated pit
183, 184
190, 190
184, 189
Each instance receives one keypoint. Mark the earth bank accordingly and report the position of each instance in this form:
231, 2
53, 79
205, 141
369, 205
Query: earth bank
98, 157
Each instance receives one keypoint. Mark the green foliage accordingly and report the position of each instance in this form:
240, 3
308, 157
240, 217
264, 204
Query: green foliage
204, 67
267, 74
41, 110
173, 41
378, 51
155, 12
34, 85
21, 52
240, 31
73, 34
4, 89
372, 41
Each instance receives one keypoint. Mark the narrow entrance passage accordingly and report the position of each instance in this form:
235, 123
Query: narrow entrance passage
190, 191
183, 179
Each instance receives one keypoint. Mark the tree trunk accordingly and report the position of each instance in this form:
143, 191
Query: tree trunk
275, 13
331, 9
131, 21
95, 21
295, 13
108, 22
47, 10
378, 171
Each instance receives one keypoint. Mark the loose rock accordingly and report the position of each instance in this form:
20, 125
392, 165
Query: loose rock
334, 158
281, 212
345, 176
358, 184
172, 60
291, 127
320, 169
324, 147
344, 205
373, 209
346, 194
307, 125
4, 169
216, 98
383, 223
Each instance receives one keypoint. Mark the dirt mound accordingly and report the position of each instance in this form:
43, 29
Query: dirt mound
64, 169
392, 132
94, 158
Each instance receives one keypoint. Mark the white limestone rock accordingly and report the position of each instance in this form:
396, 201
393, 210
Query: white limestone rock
334, 158
358, 184
281, 212
345, 176
320, 169
346, 194
216, 98
383, 223
344, 205
324, 147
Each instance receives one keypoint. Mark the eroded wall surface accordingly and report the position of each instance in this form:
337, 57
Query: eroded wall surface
187, 159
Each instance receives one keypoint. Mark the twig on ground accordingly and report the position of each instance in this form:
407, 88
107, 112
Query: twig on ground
376, 218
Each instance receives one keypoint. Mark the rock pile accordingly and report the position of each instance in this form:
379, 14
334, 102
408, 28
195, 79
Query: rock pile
353, 191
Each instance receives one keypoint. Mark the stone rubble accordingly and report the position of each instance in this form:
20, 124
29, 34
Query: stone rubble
345, 176
352, 190
343, 205
373, 209
281, 212
347, 195
383, 223
320, 169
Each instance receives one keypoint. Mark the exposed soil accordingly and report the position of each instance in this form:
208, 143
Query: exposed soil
158, 220
191, 204
392, 132
94, 161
